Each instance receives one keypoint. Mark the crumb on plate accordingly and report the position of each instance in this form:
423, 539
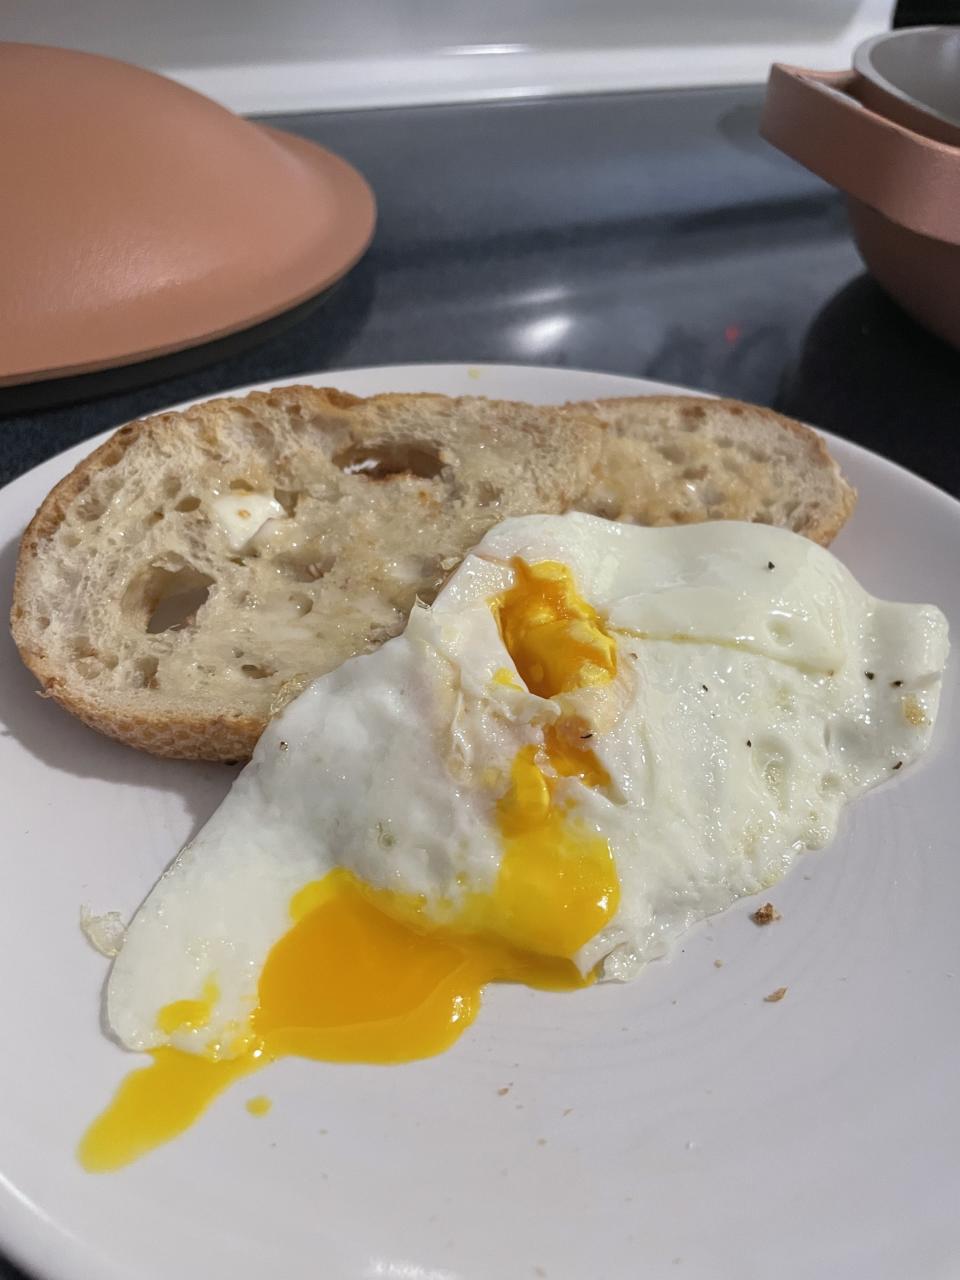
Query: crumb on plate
765, 914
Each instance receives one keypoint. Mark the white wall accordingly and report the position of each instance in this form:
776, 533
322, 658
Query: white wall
286, 54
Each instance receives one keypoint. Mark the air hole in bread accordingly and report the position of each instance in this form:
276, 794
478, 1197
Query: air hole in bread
412, 570
91, 508
153, 518
731, 465
166, 599
487, 494
171, 486
70, 539
288, 499
724, 442
302, 603
90, 661
387, 458
179, 609
257, 671
189, 503
694, 473
603, 502
312, 570
242, 486
147, 671
43, 622
672, 452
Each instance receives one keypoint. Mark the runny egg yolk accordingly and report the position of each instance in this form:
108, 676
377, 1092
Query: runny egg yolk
555, 638
365, 974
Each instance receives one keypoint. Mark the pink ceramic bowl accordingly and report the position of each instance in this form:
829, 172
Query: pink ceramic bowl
887, 133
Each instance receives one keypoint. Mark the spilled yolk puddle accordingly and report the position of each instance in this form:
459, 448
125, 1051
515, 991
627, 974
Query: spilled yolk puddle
412, 985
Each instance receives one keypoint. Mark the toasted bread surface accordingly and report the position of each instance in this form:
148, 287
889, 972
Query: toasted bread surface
680, 460
201, 567
143, 606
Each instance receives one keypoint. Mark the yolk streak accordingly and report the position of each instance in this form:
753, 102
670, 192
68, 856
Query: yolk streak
504, 676
189, 1015
367, 975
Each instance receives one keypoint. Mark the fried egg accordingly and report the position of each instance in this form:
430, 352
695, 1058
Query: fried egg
596, 736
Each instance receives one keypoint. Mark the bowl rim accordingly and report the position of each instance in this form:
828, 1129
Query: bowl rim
863, 65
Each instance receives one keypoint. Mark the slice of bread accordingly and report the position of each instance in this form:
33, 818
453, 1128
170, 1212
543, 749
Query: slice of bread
680, 460
150, 602
198, 569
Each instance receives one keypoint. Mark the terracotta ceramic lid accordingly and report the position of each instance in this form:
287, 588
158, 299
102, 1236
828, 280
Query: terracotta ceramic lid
139, 217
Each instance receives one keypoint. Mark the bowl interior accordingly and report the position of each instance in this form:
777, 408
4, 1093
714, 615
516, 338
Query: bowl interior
920, 65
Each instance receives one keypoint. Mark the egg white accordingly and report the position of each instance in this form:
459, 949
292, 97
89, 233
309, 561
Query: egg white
741, 720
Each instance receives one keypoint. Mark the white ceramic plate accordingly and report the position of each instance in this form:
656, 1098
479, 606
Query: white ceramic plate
676, 1126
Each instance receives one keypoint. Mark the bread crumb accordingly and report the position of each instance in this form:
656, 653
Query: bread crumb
502, 1092
718, 964
765, 914
775, 996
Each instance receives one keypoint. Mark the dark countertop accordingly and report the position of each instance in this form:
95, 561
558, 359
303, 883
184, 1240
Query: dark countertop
649, 234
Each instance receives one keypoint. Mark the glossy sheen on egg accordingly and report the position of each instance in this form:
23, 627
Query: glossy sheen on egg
597, 735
